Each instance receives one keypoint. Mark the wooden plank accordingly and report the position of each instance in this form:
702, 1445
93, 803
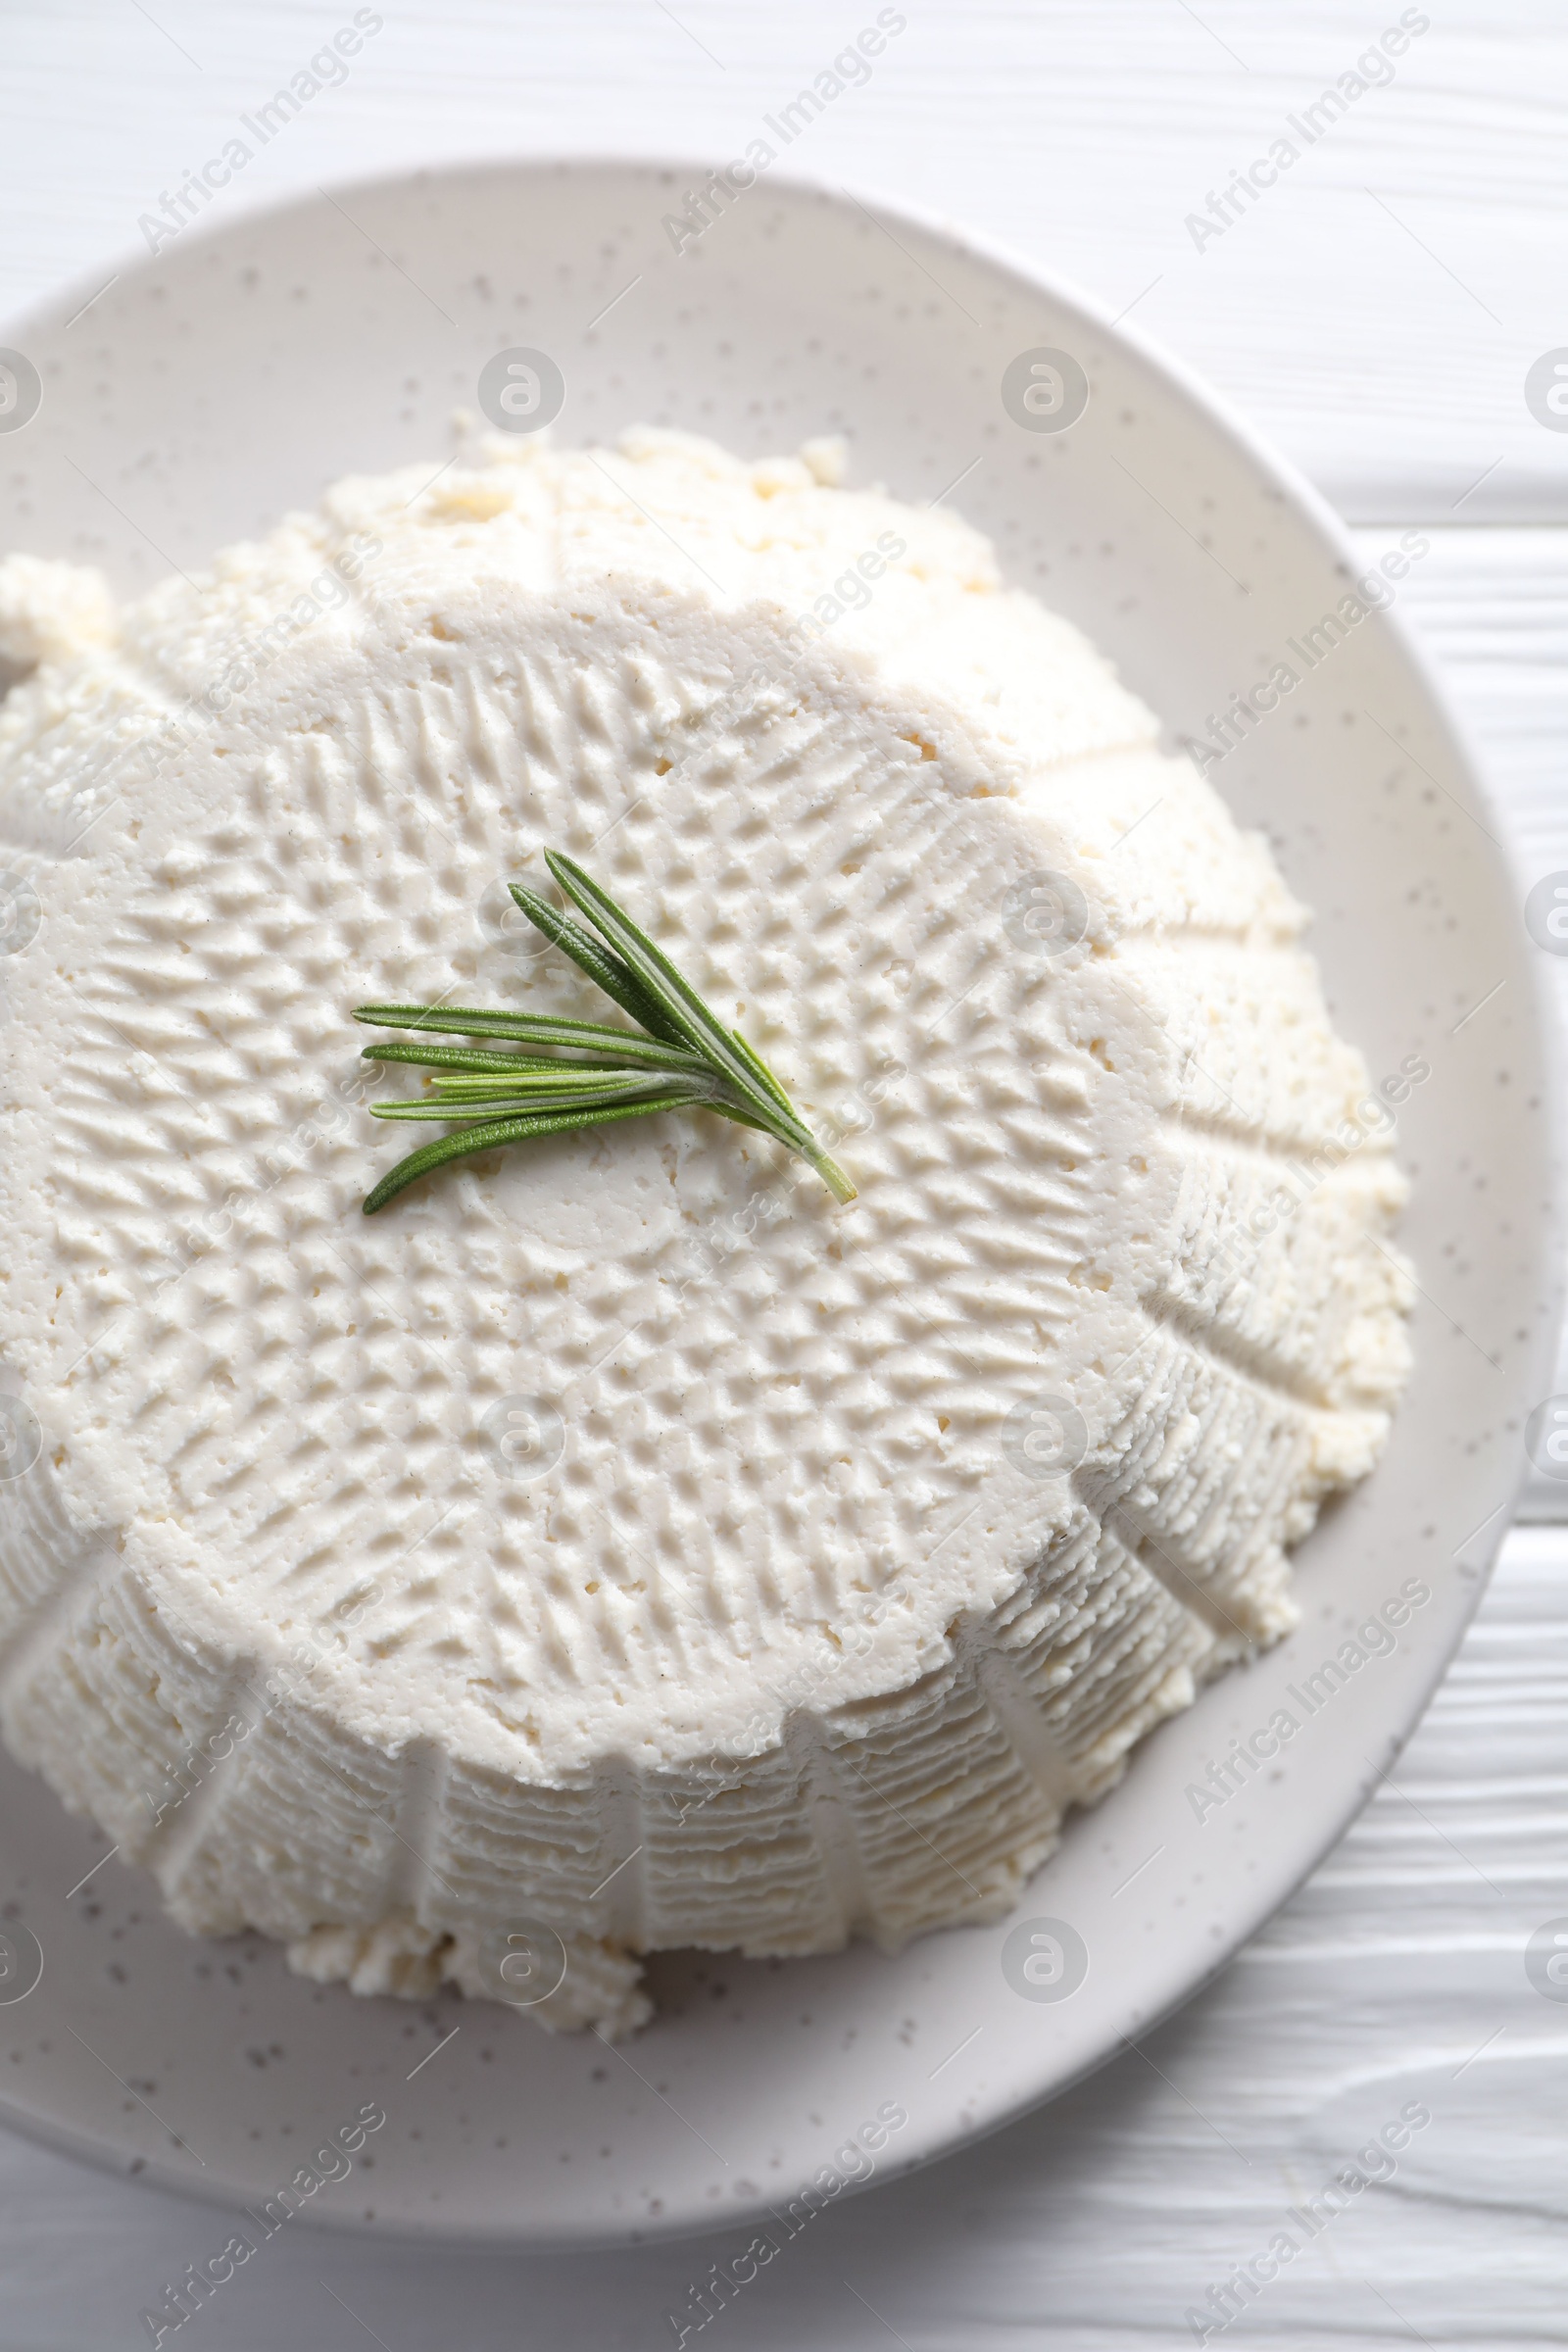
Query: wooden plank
1375, 310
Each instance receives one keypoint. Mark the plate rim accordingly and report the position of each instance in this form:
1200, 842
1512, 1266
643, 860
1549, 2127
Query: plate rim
1545, 1028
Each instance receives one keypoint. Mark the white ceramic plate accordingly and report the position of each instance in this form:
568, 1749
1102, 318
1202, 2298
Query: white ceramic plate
235, 375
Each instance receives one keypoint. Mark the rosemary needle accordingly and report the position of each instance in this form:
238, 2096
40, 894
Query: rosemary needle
491, 1137
589, 1036
683, 1058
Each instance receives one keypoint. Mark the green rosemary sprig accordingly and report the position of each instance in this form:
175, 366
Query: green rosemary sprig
684, 1059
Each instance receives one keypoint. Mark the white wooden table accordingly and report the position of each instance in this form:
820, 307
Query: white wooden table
1375, 312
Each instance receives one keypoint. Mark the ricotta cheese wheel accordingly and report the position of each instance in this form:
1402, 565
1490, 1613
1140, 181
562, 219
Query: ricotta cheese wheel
614, 1544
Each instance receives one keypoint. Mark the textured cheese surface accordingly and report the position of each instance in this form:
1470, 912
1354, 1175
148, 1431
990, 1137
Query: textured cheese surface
615, 1536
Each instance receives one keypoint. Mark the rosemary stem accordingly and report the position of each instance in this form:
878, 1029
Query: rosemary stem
571, 1074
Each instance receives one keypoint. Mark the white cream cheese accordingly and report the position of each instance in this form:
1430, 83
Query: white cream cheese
614, 1536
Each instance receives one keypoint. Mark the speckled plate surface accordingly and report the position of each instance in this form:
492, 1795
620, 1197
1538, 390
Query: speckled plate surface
235, 374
